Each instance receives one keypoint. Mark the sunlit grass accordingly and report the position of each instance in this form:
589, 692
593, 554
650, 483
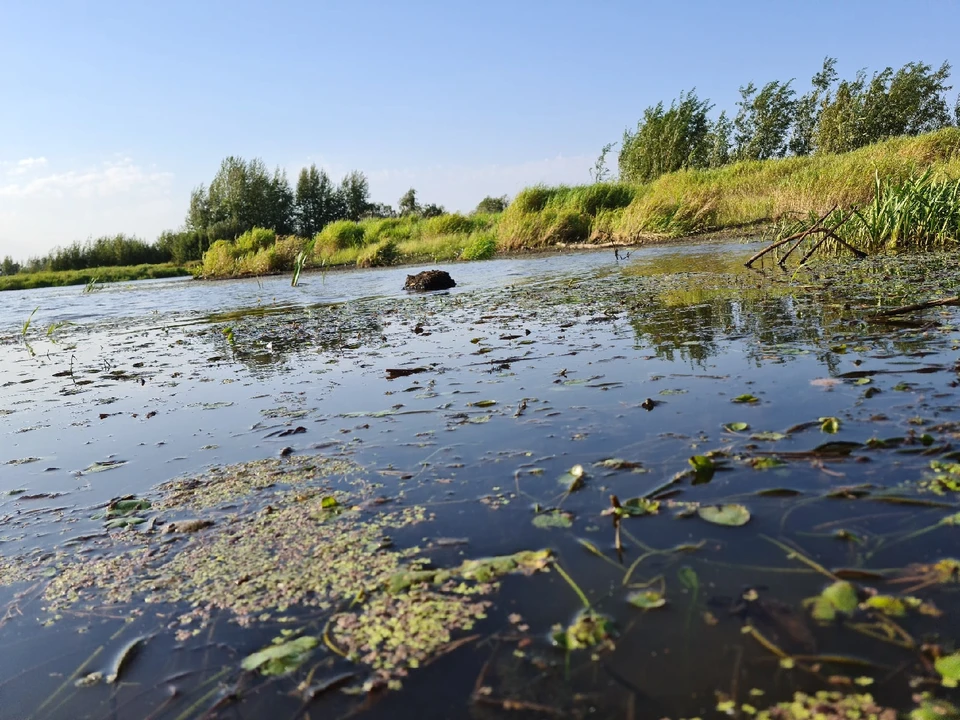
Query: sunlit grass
53, 278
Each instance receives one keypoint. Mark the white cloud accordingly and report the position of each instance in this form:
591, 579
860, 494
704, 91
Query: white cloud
26, 165
43, 210
104, 180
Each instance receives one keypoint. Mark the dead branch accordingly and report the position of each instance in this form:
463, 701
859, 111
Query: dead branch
916, 307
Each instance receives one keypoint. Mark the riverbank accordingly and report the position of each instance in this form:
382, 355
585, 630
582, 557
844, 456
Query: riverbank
90, 276
741, 198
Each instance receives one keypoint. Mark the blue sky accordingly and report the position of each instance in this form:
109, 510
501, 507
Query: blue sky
113, 111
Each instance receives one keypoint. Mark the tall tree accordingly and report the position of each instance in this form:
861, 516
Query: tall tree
316, 202
354, 194
666, 139
763, 119
809, 107
408, 205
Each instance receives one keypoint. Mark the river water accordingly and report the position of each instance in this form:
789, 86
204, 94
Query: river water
770, 442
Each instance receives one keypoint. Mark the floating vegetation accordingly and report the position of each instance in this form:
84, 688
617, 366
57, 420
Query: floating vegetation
282, 656
225, 484
825, 705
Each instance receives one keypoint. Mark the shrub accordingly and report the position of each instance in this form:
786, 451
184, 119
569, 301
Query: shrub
481, 246
218, 261
447, 225
378, 254
256, 240
341, 235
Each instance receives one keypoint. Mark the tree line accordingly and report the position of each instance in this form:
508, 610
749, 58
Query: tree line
243, 195
773, 121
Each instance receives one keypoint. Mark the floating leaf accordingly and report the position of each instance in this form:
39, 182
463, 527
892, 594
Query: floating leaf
647, 599
949, 668
769, 436
746, 398
703, 468
765, 463
588, 630
731, 515
830, 424
127, 506
639, 506
281, 657
483, 403
863, 381
689, 579
840, 597
105, 465
737, 427
887, 605
553, 519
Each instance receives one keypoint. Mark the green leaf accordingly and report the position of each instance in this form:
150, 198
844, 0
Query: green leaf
731, 515
639, 506
619, 464
770, 436
483, 403
647, 599
863, 381
830, 424
746, 398
281, 657
736, 427
588, 630
553, 519
840, 597
126, 507
887, 605
949, 668
765, 463
328, 502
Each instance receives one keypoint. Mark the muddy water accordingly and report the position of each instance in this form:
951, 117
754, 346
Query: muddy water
543, 387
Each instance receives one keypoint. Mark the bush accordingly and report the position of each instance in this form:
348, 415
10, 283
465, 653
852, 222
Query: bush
341, 235
379, 254
481, 246
447, 225
256, 240
218, 261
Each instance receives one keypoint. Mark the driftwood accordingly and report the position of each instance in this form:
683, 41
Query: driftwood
952, 300
817, 228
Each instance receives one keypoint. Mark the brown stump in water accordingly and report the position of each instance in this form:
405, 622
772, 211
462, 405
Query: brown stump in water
429, 280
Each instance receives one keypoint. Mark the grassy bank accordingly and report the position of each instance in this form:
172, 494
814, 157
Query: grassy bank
51, 278
694, 201
674, 205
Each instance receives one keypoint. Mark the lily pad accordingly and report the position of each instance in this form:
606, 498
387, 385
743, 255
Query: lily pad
553, 519
281, 657
647, 599
765, 463
737, 427
949, 668
639, 506
746, 398
838, 598
731, 515
769, 436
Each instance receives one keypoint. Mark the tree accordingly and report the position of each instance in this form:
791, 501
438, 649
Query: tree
431, 210
492, 204
809, 108
241, 196
666, 140
9, 267
910, 101
354, 194
316, 202
719, 140
762, 122
408, 205
600, 172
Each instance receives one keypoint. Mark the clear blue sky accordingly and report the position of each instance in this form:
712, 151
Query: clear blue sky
113, 111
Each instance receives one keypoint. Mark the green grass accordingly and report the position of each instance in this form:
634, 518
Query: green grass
736, 195
53, 278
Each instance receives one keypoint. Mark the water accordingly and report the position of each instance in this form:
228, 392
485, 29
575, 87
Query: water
528, 368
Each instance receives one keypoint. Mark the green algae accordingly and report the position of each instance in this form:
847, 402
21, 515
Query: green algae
221, 485
826, 705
